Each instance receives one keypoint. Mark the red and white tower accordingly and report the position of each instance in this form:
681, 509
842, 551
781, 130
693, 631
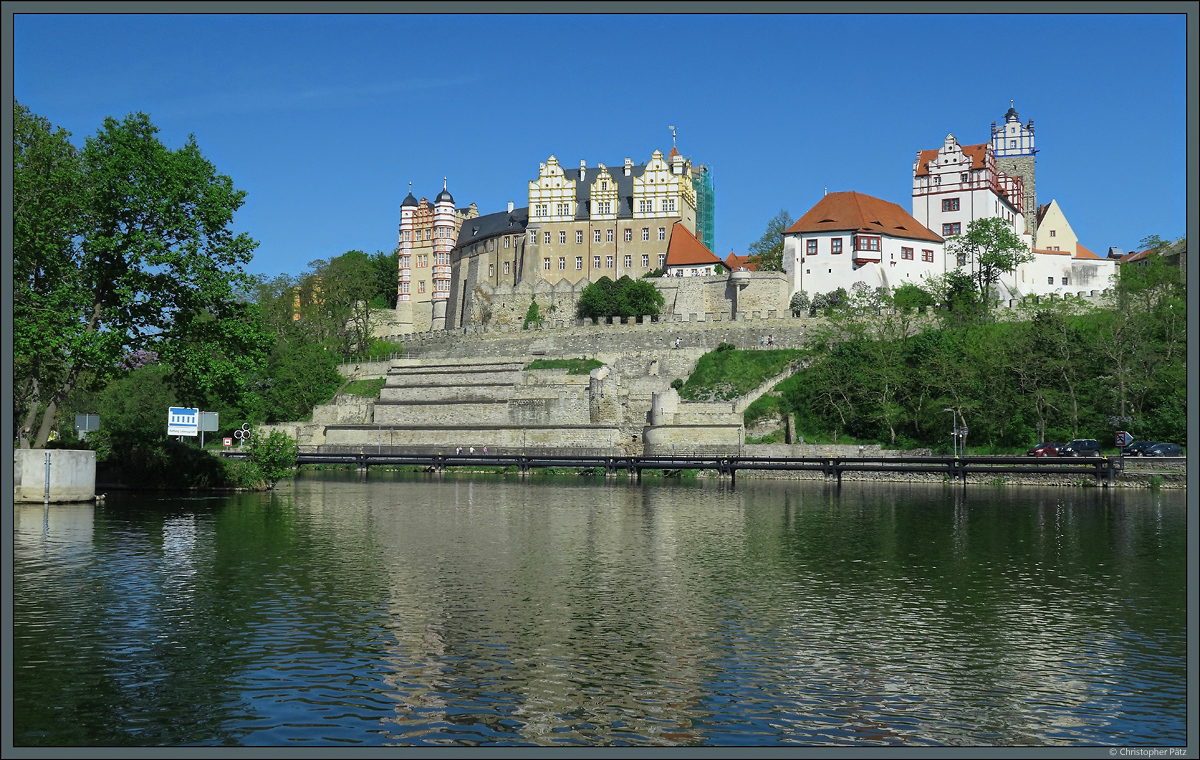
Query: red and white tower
408, 209
443, 243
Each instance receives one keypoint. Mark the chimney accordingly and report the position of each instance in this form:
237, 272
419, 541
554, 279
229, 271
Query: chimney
628, 167
582, 170
510, 204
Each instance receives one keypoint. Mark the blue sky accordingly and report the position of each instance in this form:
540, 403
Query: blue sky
324, 119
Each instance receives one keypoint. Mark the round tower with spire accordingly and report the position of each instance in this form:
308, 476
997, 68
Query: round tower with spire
404, 246
443, 243
1013, 147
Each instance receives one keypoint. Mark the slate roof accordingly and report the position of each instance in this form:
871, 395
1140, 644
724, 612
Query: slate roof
855, 212
685, 250
624, 187
491, 225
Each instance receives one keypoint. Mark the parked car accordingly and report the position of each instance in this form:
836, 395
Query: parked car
1137, 449
1164, 450
1081, 447
1044, 450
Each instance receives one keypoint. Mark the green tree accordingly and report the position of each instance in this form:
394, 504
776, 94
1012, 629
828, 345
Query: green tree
624, 298
274, 454
533, 316
128, 248
385, 267
766, 253
334, 301
989, 248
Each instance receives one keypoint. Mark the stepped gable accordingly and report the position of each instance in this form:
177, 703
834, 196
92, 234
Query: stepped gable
977, 154
685, 250
850, 211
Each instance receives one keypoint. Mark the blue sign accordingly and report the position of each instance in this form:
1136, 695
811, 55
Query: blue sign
183, 421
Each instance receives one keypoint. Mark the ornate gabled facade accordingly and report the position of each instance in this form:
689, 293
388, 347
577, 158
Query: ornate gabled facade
955, 184
588, 223
426, 236
1016, 156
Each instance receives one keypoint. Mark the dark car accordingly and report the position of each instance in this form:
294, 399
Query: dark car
1137, 449
1044, 450
1164, 450
1081, 447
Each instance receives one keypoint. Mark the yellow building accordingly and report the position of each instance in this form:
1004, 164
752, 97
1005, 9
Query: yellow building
586, 223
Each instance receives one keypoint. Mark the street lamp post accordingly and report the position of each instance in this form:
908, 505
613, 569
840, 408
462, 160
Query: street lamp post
953, 431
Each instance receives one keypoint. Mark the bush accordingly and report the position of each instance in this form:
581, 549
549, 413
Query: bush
274, 455
533, 316
623, 298
800, 303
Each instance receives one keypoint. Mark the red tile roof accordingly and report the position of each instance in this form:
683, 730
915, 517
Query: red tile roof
1049, 252
735, 262
1083, 253
855, 212
685, 250
976, 153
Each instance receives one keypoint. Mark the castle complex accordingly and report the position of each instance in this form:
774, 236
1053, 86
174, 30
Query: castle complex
458, 269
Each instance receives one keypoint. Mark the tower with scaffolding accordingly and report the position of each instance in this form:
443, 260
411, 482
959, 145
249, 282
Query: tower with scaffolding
702, 184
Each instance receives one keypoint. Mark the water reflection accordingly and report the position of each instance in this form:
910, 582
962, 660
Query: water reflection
457, 610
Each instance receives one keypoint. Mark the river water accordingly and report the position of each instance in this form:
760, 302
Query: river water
423, 610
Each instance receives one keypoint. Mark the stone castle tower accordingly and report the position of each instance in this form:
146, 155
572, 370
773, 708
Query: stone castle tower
1012, 144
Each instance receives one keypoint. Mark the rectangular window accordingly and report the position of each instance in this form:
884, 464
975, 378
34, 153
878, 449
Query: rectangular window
962, 259
595, 262
810, 247
562, 262
507, 239
546, 263
420, 286
950, 204
595, 236
405, 262
564, 209
404, 288
608, 262
906, 253
423, 261
628, 235
546, 237
1064, 281
533, 237
835, 245
646, 260
949, 230
645, 207
662, 260
578, 263
629, 262
866, 243
608, 236
578, 237
926, 255
1051, 233
668, 204
491, 270
645, 233
1049, 280
963, 177
662, 233
506, 267
562, 236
